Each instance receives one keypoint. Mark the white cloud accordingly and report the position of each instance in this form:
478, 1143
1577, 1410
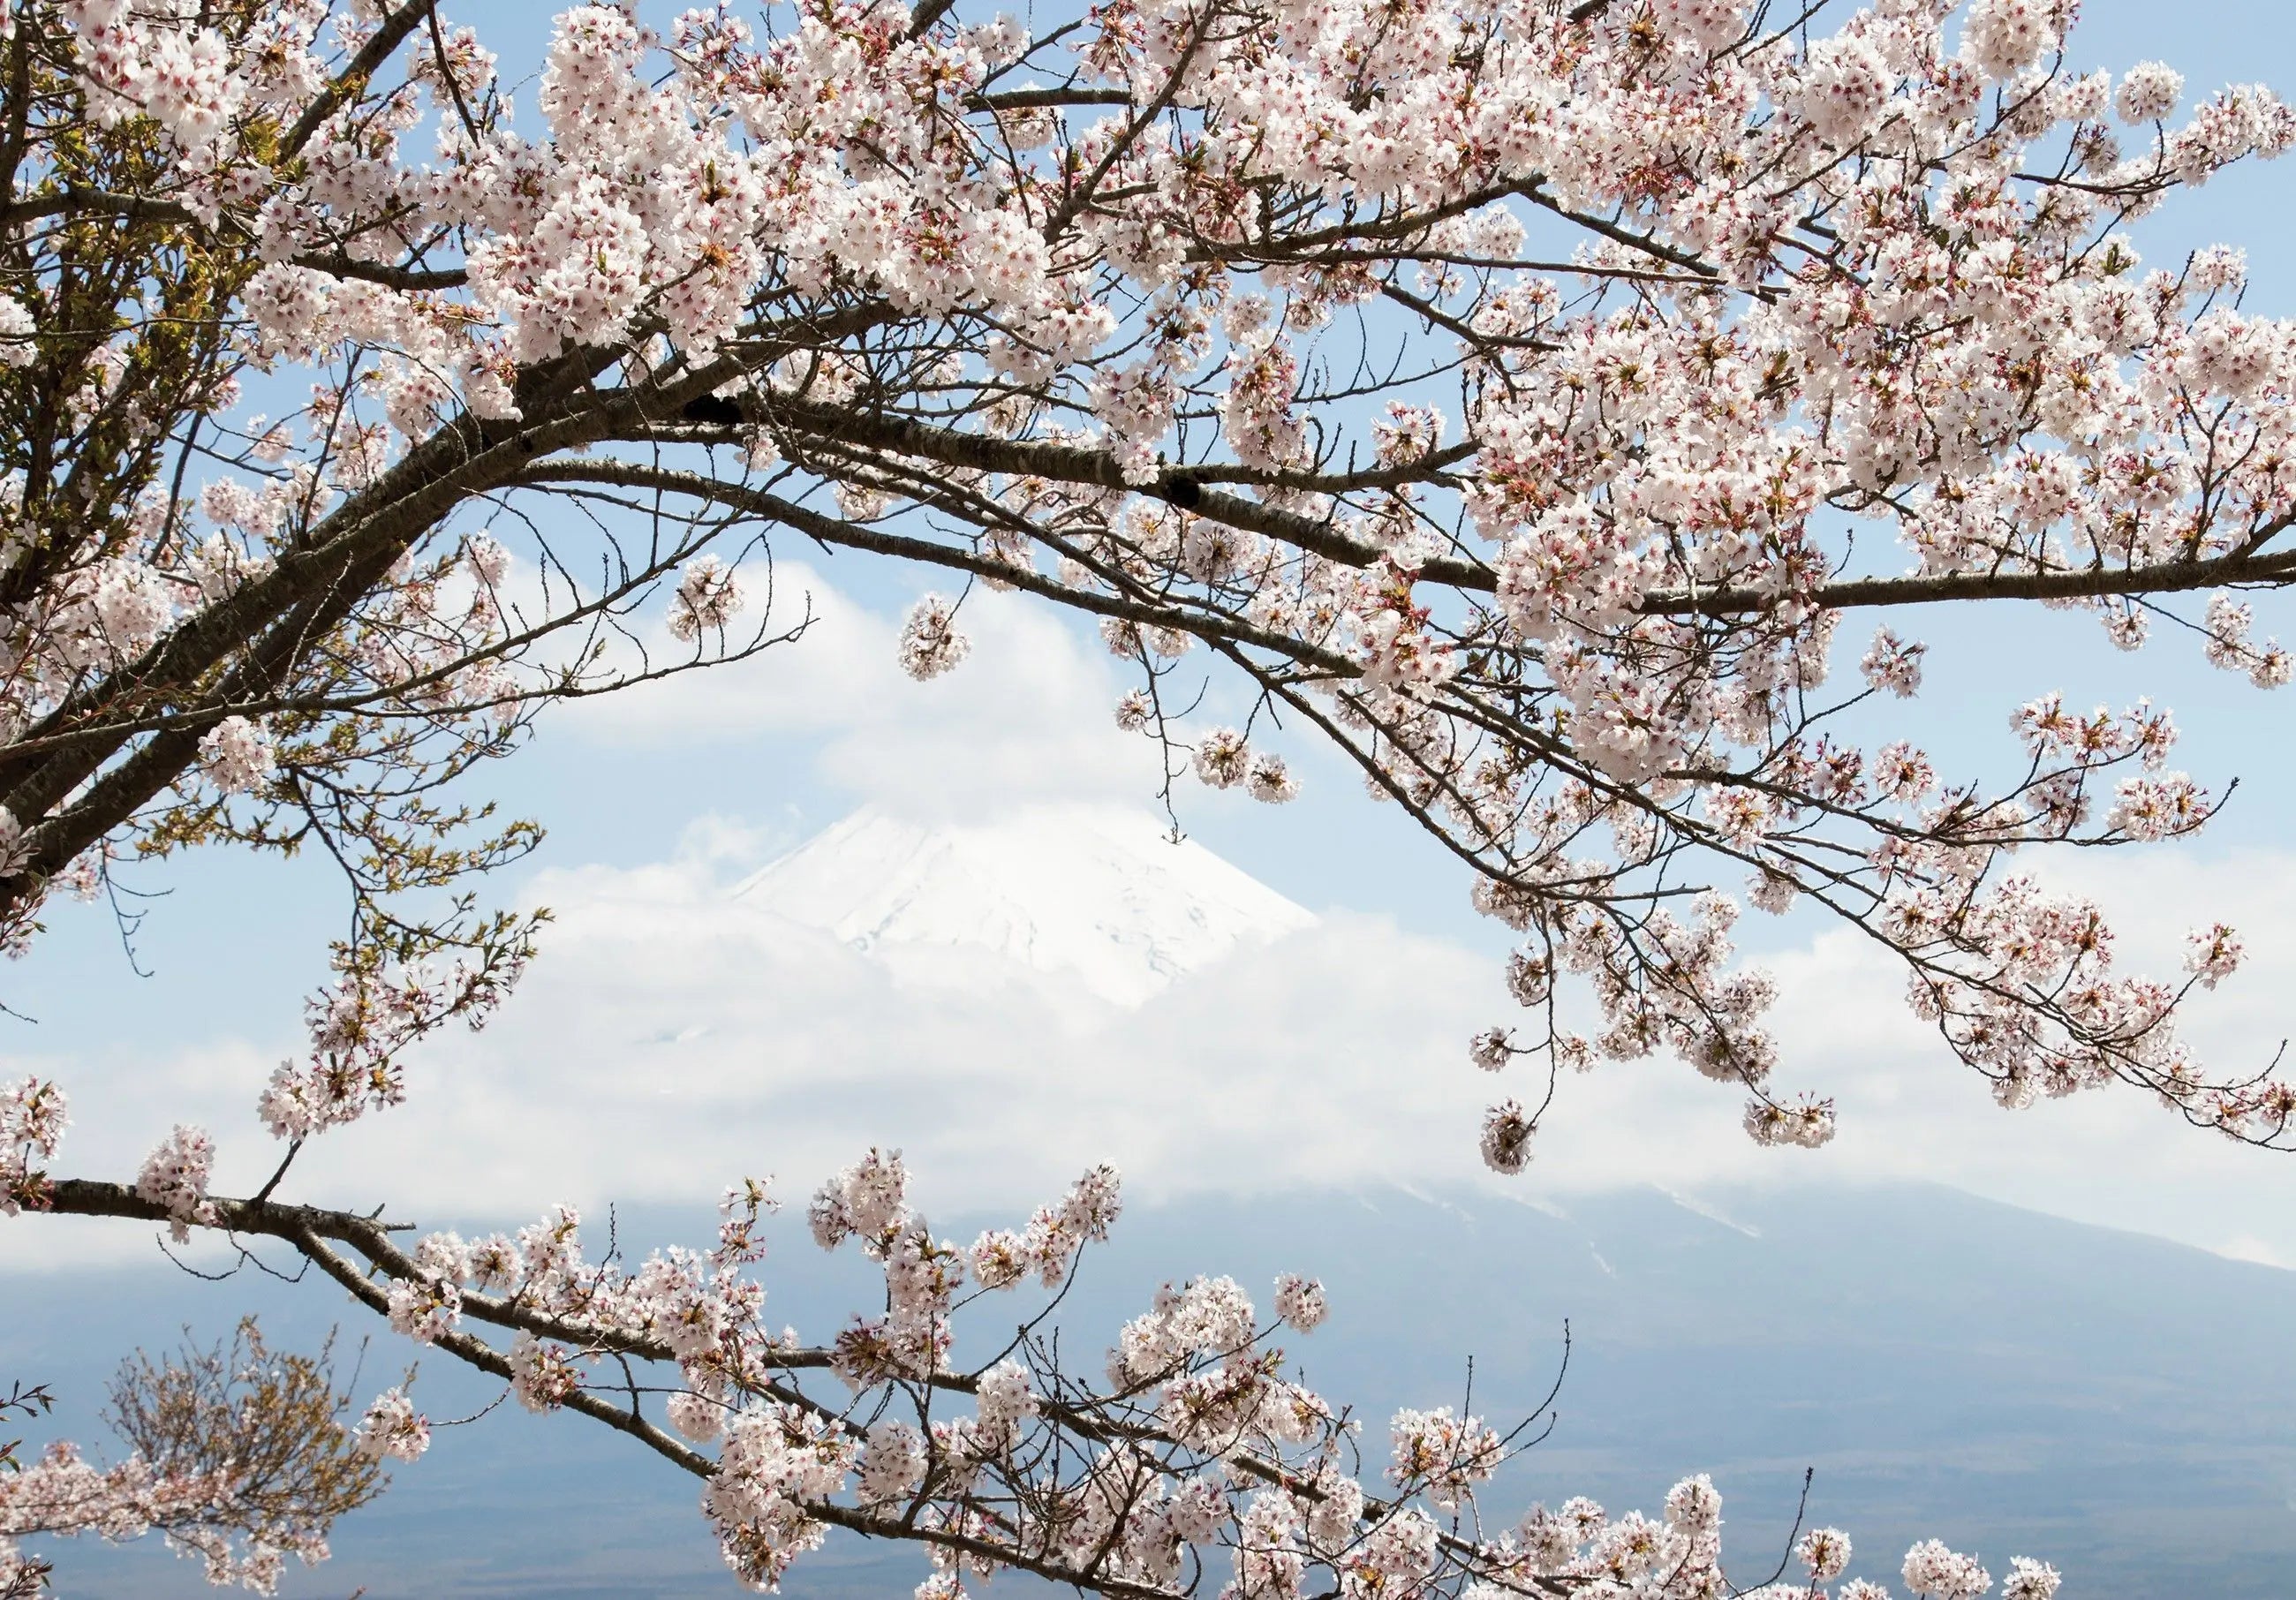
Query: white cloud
676, 1039
1030, 711
2248, 1247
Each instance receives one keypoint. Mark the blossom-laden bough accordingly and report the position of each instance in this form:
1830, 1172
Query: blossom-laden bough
1195, 1465
1485, 389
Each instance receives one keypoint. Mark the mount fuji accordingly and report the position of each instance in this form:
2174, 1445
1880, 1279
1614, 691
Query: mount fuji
1098, 898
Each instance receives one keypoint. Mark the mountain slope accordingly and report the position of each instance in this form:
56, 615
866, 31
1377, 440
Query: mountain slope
2011, 1383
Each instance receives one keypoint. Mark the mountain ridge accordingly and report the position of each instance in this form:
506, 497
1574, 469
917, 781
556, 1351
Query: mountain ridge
2010, 1381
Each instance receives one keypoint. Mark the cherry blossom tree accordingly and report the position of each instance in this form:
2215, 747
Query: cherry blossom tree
1486, 391
239, 1454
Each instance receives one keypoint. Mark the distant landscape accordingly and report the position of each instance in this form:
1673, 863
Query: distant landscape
2016, 1384
1586, 688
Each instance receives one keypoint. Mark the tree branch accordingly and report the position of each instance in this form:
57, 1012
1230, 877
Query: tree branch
2167, 578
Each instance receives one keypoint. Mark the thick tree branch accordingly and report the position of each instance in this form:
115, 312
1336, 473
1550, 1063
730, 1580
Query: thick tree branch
2277, 569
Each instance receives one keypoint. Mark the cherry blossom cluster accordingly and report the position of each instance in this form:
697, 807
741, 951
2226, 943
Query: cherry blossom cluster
708, 597
931, 644
360, 1027
33, 1116
392, 1428
175, 1178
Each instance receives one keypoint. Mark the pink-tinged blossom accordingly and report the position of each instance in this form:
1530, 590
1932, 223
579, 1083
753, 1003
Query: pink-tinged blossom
1706, 24
2212, 953
392, 1429
2149, 91
775, 1460
1442, 1456
1529, 977
893, 1462
1772, 892
17, 328
425, 1309
1619, 576
2030, 1580
541, 1376
236, 755
930, 642
64, 1493
1894, 664
1002, 1259
1845, 85
1739, 816
359, 1027
1134, 710
15, 851
1299, 1301
1826, 1551
1506, 1137
1005, 1400
2148, 807
1935, 1573
175, 1178
1270, 781
1083, 1215
708, 597
1195, 1376
33, 1116
1491, 1049
1808, 1124
2006, 36
1223, 758
868, 1200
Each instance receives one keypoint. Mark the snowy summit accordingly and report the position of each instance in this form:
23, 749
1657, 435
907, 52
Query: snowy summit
1097, 895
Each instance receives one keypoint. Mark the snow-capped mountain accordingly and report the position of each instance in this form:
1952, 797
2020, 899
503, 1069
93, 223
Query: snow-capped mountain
1098, 895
